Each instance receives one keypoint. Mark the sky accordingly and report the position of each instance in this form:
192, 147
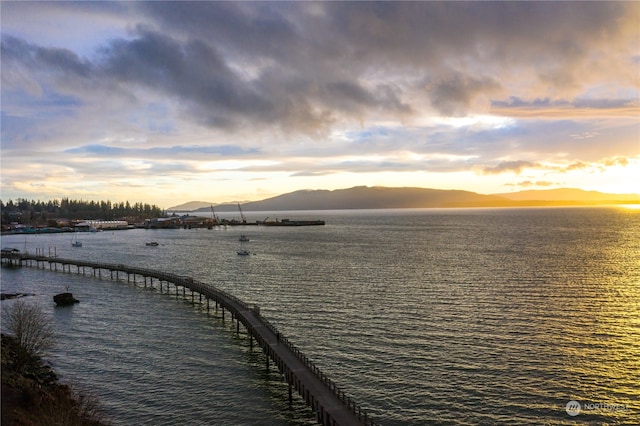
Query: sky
168, 102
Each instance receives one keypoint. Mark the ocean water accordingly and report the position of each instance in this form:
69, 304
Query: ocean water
469, 316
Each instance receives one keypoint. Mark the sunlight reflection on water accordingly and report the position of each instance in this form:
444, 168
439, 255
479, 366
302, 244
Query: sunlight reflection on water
428, 316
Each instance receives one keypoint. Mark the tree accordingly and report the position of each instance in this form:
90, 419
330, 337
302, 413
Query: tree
30, 327
38, 212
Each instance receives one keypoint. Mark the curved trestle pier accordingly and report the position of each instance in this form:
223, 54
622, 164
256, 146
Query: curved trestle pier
330, 403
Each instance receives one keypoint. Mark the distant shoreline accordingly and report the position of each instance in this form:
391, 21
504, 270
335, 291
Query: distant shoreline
380, 197
462, 205
32, 229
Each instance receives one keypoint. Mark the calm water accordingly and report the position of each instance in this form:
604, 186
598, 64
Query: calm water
425, 316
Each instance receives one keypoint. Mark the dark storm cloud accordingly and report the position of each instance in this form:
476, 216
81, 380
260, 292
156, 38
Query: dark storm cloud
50, 59
460, 48
426, 33
453, 96
303, 65
192, 71
244, 28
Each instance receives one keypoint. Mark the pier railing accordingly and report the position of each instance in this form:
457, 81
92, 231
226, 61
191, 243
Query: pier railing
238, 309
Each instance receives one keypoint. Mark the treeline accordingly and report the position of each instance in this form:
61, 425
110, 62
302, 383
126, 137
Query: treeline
35, 212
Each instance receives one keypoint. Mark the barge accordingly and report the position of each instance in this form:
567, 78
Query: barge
289, 222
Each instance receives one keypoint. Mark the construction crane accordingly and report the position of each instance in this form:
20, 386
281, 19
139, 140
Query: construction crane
213, 216
244, 219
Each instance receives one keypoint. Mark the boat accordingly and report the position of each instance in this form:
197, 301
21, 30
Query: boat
153, 243
242, 251
76, 244
244, 239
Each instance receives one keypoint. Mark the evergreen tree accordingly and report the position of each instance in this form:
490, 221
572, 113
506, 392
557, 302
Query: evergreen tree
44, 212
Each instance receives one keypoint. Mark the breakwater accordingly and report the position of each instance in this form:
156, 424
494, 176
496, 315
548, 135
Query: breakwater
331, 405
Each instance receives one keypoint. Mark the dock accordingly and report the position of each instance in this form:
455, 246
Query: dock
330, 403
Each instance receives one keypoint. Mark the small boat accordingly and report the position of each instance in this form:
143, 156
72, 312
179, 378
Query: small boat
243, 251
153, 243
76, 244
243, 238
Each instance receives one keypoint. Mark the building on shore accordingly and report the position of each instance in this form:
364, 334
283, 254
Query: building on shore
172, 222
98, 225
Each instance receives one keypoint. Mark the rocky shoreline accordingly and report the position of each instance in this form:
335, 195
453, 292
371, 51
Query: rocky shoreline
5, 296
32, 394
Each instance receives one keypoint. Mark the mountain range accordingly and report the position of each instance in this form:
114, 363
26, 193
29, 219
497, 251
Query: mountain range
364, 197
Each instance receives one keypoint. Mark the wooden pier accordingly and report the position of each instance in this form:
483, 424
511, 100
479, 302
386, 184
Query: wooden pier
331, 405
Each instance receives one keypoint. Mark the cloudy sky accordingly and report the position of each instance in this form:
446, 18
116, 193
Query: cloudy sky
166, 102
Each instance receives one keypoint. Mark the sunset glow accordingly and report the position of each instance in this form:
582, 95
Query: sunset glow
166, 102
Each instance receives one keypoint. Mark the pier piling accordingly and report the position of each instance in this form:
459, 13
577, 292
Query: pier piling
329, 403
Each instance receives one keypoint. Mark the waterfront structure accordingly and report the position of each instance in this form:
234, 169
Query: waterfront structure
331, 405
93, 225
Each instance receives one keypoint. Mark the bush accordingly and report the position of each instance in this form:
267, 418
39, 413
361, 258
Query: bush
30, 327
32, 395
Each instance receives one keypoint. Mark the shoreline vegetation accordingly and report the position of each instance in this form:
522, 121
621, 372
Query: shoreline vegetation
62, 213
32, 394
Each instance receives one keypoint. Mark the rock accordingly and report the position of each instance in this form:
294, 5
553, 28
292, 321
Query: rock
65, 299
5, 296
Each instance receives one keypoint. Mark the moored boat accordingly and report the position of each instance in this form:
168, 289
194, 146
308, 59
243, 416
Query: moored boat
242, 251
